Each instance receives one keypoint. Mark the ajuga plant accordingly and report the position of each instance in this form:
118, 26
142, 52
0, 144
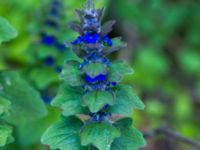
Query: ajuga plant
96, 108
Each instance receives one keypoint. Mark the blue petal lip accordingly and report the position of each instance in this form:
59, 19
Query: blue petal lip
91, 38
114, 83
108, 41
48, 40
100, 77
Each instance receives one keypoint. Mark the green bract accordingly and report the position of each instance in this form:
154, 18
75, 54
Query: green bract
126, 101
69, 100
117, 71
97, 99
100, 135
95, 69
71, 73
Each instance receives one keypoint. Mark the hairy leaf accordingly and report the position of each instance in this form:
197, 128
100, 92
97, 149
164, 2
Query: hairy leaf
95, 100
100, 135
72, 74
69, 100
117, 70
130, 139
95, 69
26, 105
64, 134
43, 77
125, 101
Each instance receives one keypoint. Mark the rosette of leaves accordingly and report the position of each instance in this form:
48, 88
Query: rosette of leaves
19, 102
91, 94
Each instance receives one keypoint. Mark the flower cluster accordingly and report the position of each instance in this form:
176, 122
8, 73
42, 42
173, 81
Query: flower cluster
52, 22
93, 43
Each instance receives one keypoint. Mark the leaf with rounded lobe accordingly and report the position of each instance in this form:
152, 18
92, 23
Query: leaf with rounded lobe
4, 107
7, 32
95, 100
5, 134
95, 69
125, 101
26, 104
130, 139
43, 77
117, 44
64, 134
72, 74
69, 100
36, 128
117, 70
100, 135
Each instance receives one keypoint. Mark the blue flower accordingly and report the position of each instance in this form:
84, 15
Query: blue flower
91, 38
108, 41
48, 40
114, 83
49, 61
99, 78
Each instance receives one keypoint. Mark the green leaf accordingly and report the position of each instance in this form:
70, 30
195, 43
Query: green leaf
26, 105
130, 139
117, 42
69, 100
72, 56
95, 69
7, 32
64, 134
123, 123
4, 107
100, 135
125, 101
95, 100
5, 134
36, 129
43, 77
72, 74
117, 70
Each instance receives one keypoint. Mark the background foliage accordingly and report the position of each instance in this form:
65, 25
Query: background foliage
163, 47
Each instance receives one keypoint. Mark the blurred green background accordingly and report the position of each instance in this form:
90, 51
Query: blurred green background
163, 39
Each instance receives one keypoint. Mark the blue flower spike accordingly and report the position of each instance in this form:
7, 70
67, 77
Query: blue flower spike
91, 89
